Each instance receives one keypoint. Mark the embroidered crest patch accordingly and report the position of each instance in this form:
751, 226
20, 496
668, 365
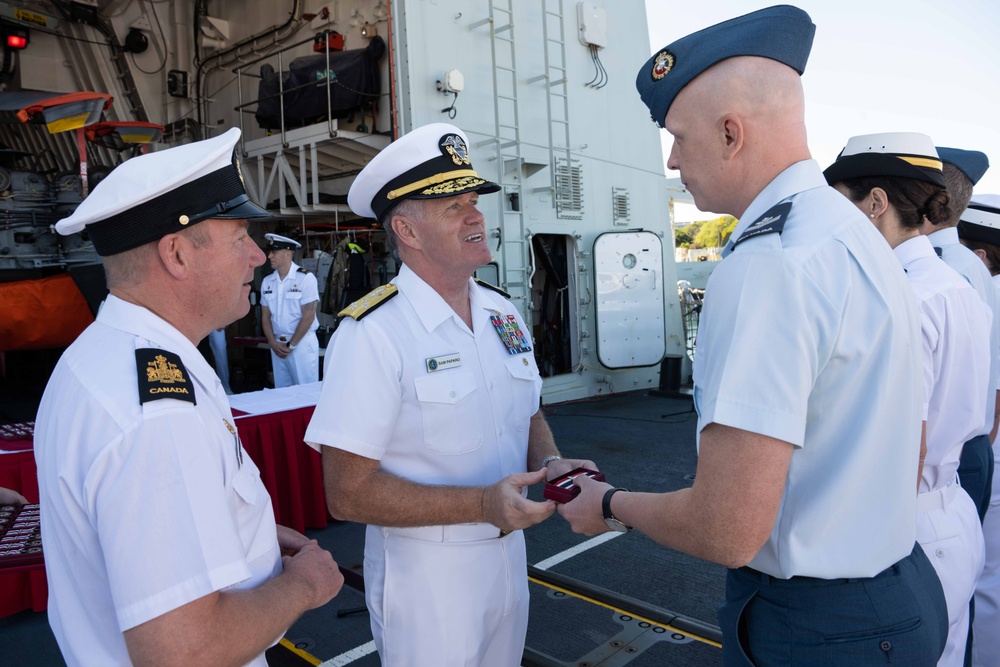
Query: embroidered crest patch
161, 374
662, 64
772, 221
454, 146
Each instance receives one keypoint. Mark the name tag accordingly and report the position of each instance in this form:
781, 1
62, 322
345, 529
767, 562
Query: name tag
441, 363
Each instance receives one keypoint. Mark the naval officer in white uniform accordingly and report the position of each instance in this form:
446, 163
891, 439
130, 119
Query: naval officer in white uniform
807, 379
896, 180
438, 431
160, 540
289, 297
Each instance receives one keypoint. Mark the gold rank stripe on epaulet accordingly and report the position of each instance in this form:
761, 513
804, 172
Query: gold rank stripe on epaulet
303, 269
483, 283
369, 302
161, 374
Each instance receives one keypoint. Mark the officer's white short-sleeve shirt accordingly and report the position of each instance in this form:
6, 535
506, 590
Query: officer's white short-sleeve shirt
434, 402
812, 336
285, 298
144, 508
970, 267
955, 329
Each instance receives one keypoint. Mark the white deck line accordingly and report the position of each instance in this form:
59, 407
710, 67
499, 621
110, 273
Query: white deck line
578, 549
350, 656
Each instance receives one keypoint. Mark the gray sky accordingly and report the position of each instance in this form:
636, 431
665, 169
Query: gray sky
930, 66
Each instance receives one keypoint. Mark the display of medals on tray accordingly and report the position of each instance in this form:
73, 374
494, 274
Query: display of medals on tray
17, 431
20, 537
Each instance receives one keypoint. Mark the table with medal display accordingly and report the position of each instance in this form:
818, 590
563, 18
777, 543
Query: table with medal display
270, 425
22, 572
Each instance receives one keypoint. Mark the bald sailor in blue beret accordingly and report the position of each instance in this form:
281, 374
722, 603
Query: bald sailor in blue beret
807, 380
160, 539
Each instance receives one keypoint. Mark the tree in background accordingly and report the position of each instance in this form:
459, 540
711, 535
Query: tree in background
706, 233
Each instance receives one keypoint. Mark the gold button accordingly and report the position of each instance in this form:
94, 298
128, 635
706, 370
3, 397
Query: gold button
184, 219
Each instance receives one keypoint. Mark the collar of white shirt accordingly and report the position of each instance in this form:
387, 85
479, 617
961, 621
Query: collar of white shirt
943, 237
801, 176
429, 306
913, 249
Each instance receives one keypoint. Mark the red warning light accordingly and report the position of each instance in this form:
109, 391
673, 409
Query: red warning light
17, 41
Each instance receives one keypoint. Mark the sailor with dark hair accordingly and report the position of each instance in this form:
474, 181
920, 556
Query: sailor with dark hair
807, 379
979, 231
160, 539
896, 179
289, 298
435, 438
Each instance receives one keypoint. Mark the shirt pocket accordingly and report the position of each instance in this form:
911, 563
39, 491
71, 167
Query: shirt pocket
525, 388
293, 295
448, 409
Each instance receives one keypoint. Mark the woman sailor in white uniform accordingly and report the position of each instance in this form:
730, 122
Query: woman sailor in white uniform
896, 180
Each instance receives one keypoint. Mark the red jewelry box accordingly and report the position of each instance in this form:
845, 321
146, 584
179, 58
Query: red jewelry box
20, 537
562, 489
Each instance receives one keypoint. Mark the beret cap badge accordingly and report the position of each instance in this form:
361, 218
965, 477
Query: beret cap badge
662, 64
454, 146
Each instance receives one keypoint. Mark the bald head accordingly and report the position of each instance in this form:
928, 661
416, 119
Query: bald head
751, 112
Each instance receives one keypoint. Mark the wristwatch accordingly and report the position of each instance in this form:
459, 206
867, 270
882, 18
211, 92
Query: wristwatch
549, 459
609, 518
290, 345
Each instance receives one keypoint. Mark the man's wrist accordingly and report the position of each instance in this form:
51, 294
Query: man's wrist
549, 459
291, 345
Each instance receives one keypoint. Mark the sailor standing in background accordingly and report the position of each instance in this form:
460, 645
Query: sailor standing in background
979, 230
896, 180
289, 297
962, 170
807, 378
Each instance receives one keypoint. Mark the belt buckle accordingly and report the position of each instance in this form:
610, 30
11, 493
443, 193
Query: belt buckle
504, 533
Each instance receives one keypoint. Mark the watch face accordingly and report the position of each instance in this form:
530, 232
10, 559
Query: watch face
615, 524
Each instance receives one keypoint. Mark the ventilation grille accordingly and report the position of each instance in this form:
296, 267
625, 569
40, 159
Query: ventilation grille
569, 190
620, 206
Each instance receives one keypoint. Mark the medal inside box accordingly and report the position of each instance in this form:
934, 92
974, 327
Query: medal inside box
562, 489
20, 536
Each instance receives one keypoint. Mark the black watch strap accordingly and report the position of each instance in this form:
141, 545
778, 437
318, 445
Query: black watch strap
606, 506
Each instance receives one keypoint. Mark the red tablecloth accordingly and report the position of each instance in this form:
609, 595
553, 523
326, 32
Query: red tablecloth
21, 590
290, 470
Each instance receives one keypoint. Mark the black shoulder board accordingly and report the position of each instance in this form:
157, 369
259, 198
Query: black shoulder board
369, 302
483, 283
772, 221
302, 269
162, 375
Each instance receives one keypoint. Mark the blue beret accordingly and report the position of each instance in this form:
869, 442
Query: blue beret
971, 163
783, 33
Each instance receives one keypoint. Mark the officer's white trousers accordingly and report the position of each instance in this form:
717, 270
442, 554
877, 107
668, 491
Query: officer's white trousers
948, 530
453, 603
300, 367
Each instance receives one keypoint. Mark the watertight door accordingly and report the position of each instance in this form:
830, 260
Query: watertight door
628, 272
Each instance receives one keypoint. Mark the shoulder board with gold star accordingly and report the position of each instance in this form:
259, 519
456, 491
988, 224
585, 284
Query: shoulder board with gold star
161, 374
369, 302
483, 283
303, 269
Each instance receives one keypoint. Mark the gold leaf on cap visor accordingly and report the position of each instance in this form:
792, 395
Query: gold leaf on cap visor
459, 185
432, 180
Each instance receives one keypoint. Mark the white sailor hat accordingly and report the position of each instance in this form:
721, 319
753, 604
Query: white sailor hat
428, 163
279, 242
971, 163
149, 196
981, 220
899, 154
783, 33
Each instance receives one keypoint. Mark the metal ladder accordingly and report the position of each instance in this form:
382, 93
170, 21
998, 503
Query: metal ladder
507, 145
557, 97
